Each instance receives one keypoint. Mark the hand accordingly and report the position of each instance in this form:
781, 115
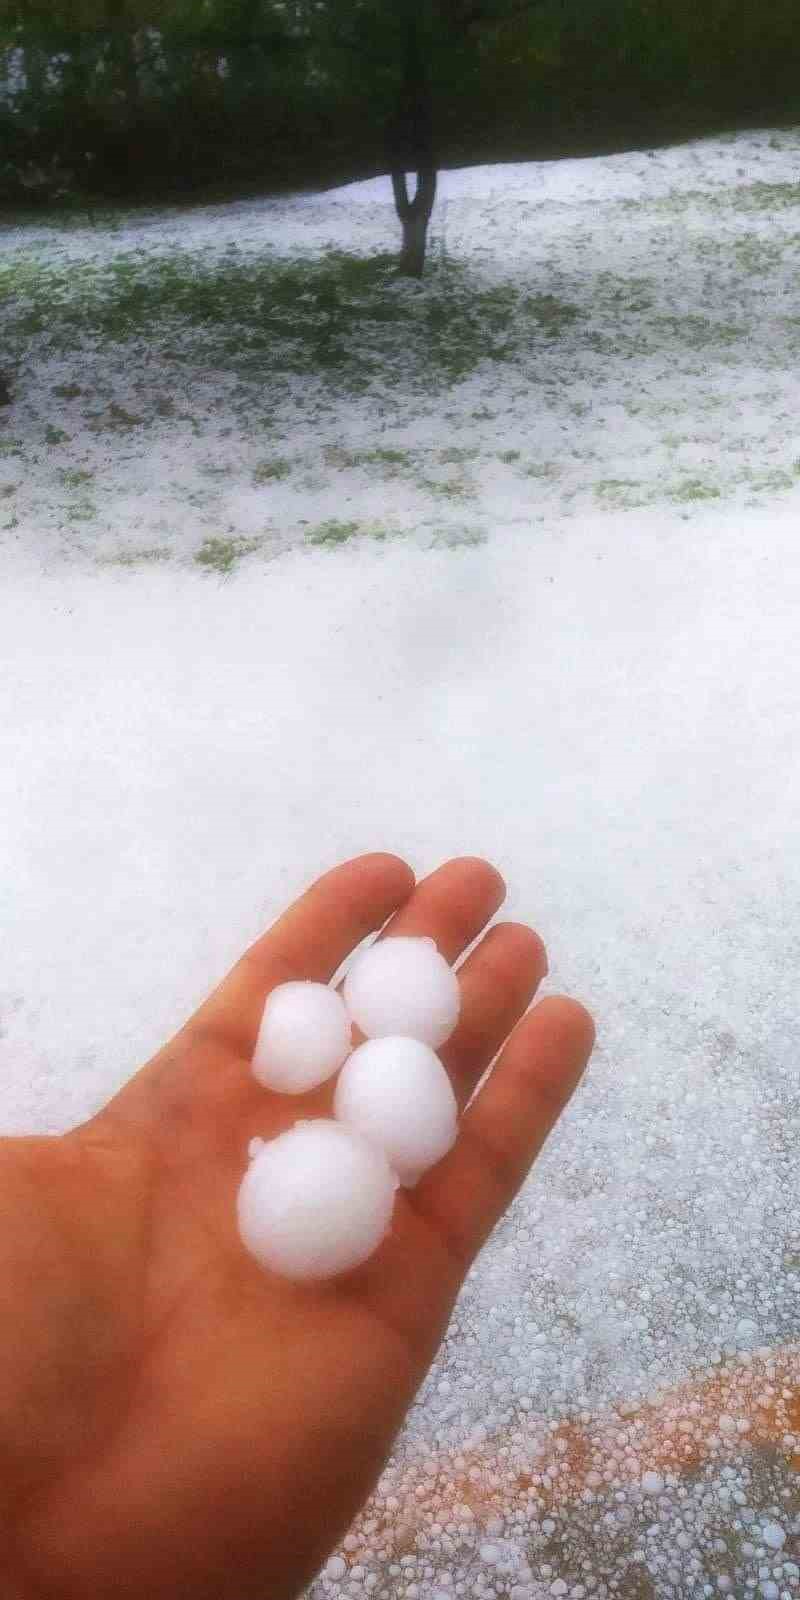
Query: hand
174, 1422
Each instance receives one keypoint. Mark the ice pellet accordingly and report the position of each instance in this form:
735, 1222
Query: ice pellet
303, 1039
397, 1094
402, 986
315, 1201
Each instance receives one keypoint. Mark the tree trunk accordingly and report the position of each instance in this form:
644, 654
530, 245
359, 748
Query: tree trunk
412, 255
410, 148
414, 218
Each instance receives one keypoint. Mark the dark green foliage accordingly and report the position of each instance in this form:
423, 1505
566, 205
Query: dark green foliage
218, 96
118, 97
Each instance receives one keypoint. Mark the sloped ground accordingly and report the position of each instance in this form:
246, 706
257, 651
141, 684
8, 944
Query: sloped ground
212, 385
512, 567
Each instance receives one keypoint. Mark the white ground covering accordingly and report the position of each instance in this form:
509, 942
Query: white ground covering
596, 687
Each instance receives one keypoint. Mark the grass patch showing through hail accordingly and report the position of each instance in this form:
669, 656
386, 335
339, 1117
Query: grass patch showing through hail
222, 555
195, 382
340, 316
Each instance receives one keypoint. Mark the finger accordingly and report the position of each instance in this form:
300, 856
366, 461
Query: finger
504, 1129
497, 981
310, 940
452, 905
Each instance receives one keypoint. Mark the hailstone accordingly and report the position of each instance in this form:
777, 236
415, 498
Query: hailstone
303, 1039
315, 1201
403, 987
397, 1094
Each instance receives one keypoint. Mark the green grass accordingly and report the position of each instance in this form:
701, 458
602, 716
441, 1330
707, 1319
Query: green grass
745, 198
389, 457
460, 538
447, 488
223, 555
760, 196
114, 418
119, 417
674, 441
456, 453
337, 456
134, 558
632, 295
691, 489
775, 480
271, 471
756, 256
552, 315
333, 532
346, 319
698, 331
623, 493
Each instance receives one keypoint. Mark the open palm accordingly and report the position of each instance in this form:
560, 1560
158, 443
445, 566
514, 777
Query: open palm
174, 1421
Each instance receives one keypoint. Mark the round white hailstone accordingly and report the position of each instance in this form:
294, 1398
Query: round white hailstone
315, 1201
652, 1483
397, 1094
773, 1535
303, 1039
403, 987
746, 1328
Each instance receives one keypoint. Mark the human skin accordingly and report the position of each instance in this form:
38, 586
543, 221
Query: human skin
175, 1421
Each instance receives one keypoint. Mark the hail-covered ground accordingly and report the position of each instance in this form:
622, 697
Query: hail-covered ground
299, 560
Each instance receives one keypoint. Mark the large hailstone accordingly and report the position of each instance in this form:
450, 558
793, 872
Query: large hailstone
397, 1094
303, 1039
315, 1201
404, 988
